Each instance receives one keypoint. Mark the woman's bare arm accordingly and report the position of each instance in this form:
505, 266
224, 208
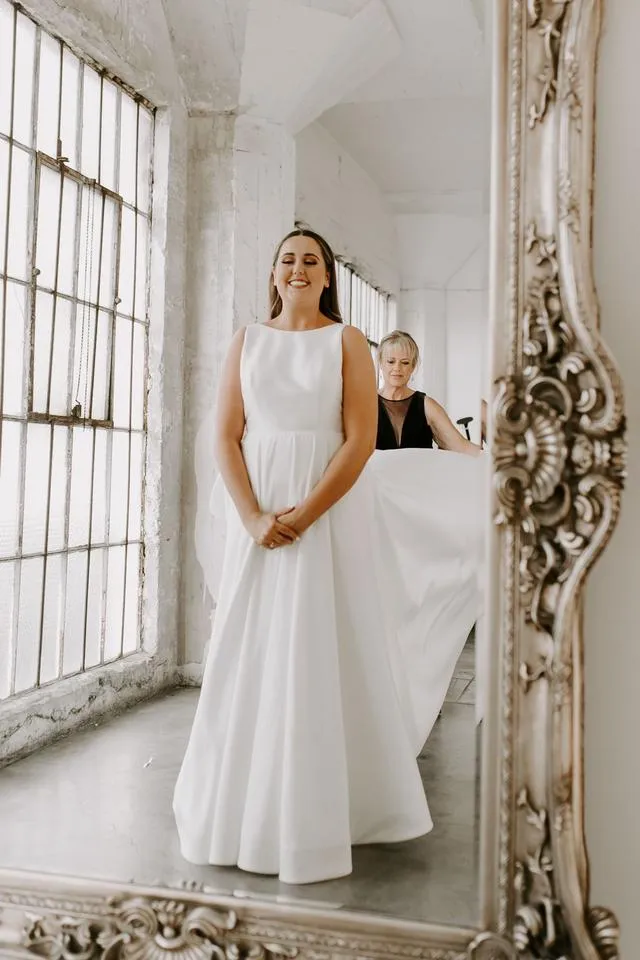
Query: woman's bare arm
446, 435
360, 421
229, 431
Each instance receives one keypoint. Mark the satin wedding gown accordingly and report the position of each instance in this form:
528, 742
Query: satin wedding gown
430, 511
301, 744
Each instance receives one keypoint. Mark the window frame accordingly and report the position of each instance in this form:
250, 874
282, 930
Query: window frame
74, 299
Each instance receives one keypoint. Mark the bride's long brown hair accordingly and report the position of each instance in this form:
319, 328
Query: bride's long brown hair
329, 303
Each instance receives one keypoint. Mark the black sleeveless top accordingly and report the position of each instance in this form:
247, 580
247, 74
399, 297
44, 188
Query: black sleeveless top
408, 428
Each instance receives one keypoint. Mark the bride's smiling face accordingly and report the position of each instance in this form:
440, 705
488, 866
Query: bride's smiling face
300, 274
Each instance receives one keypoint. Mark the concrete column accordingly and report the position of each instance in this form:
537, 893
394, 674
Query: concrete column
241, 191
264, 167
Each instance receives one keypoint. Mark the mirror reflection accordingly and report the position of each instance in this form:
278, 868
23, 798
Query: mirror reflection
260, 668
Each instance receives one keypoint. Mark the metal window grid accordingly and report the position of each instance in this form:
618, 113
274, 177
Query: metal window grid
362, 305
74, 271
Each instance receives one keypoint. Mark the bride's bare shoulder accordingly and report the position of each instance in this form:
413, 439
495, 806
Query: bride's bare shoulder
353, 338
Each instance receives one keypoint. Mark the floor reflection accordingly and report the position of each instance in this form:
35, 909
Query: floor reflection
98, 804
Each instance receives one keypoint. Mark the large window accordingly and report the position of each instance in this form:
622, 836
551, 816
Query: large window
75, 211
362, 305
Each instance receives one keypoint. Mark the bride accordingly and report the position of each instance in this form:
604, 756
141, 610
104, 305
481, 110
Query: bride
299, 746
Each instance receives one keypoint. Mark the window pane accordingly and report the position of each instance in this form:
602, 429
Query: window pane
74, 613
127, 262
36, 486
115, 603
19, 217
145, 148
90, 162
95, 606
100, 367
4, 189
99, 500
135, 486
29, 610
48, 94
47, 238
139, 376
142, 255
71, 71
6, 67
43, 326
108, 138
122, 372
128, 134
92, 362
10, 488
119, 487
80, 505
25, 60
7, 582
132, 600
89, 253
110, 217
67, 261
53, 620
59, 399
16, 321
59, 483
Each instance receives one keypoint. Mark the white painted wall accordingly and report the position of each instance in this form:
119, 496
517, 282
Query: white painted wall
612, 647
444, 268
466, 337
423, 314
337, 198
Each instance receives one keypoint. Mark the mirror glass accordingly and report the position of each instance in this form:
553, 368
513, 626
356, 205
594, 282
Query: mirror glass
373, 116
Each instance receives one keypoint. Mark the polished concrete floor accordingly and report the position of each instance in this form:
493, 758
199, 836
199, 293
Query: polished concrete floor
98, 804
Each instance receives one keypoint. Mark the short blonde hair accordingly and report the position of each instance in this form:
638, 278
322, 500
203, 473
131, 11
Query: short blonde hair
402, 339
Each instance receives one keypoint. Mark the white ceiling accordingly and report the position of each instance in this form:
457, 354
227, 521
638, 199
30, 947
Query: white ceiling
443, 50
420, 127
417, 147
402, 85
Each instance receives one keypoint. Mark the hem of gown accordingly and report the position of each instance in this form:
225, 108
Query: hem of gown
402, 837
298, 880
339, 869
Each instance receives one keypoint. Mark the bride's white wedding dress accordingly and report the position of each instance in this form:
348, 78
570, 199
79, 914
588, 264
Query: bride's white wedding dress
300, 746
431, 507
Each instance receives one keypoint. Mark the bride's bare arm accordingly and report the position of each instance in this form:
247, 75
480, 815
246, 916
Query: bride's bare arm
360, 420
229, 430
447, 436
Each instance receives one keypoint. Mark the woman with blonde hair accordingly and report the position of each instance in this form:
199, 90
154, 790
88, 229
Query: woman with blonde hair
409, 418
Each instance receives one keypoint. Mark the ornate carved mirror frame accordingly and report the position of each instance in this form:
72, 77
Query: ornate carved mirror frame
558, 468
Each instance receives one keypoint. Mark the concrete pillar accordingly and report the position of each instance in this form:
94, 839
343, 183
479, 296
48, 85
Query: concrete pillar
264, 168
241, 192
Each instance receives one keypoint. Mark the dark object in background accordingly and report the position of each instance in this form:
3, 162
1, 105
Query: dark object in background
464, 422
